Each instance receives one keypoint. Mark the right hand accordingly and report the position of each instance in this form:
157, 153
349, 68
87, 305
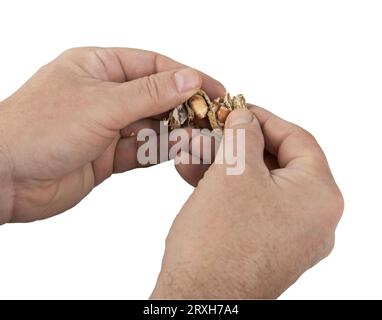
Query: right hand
253, 235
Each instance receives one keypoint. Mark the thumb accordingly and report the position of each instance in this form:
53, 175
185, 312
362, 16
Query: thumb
243, 131
151, 95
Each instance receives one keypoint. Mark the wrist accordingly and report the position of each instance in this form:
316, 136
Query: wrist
6, 169
172, 285
197, 283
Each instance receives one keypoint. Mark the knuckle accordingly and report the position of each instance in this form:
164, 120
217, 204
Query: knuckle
338, 203
47, 68
69, 52
75, 51
305, 133
151, 87
329, 246
332, 210
323, 248
322, 243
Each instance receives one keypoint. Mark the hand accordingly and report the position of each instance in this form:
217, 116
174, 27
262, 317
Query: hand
68, 128
253, 235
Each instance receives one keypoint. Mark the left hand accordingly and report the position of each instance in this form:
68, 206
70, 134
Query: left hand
68, 128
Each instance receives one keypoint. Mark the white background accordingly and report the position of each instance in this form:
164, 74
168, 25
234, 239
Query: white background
316, 63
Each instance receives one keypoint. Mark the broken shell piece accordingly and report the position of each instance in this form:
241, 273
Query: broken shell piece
213, 120
178, 117
223, 113
198, 105
238, 102
227, 101
190, 115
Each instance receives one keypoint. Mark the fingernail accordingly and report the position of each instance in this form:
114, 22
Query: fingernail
239, 117
187, 80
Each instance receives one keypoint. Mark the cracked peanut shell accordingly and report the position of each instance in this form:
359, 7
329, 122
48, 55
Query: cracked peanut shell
200, 106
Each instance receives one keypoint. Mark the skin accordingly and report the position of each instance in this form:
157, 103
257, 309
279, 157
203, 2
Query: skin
249, 236
253, 235
68, 128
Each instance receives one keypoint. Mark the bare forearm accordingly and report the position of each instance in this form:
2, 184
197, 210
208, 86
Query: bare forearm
6, 185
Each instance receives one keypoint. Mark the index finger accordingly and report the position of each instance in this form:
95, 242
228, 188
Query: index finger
125, 64
293, 146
